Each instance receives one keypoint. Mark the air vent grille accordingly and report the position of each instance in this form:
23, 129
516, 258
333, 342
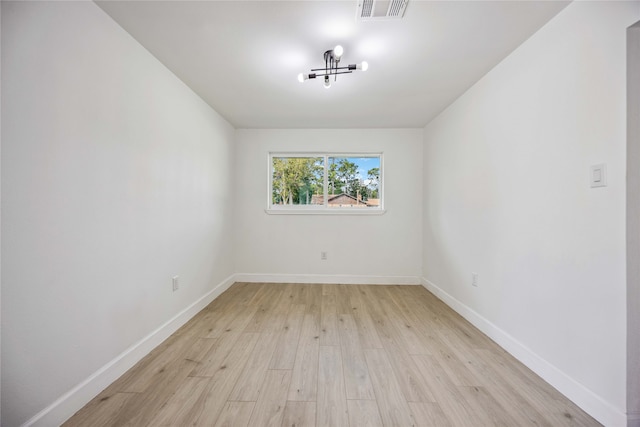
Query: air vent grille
367, 9
372, 10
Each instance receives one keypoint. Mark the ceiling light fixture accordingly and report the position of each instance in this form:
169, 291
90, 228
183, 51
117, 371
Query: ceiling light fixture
332, 67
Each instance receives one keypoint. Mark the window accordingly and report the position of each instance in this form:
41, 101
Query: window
331, 183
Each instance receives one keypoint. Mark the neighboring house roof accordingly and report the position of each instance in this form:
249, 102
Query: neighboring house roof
343, 199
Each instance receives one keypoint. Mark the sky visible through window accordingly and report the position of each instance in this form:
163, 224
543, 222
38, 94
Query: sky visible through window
365, 164
366, 169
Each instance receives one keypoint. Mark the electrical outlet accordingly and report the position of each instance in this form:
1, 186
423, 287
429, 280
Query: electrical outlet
323, 256
474, 279
176, 283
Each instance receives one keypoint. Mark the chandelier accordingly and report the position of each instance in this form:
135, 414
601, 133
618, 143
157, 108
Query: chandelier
332, 67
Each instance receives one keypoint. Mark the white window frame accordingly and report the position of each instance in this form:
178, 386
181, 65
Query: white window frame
324, 209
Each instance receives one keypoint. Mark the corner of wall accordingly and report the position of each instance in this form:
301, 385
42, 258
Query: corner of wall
576, 392
66, 405
633, 224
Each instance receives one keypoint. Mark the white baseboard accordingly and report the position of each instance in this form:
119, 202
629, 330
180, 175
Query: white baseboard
587, 400
69, 403
328, 279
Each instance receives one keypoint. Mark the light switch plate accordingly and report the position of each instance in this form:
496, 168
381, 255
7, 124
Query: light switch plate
598, 175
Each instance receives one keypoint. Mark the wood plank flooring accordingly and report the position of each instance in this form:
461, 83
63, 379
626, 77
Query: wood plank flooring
329, 355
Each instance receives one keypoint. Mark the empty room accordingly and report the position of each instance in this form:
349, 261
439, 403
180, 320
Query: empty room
320, 213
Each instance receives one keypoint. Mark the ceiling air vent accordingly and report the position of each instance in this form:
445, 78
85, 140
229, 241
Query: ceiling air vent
372, 10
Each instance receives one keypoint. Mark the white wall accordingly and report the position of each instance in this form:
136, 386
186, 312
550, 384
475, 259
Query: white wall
115, 177
360, 248
506, 195
633, 225
0, 212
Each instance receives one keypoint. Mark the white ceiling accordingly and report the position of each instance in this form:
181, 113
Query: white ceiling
243, 57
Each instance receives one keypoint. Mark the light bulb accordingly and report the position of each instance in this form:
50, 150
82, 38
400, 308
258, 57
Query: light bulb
304, 76
338, 51
365, 65
327, 82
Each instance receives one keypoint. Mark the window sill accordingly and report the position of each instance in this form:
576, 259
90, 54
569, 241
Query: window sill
342, 211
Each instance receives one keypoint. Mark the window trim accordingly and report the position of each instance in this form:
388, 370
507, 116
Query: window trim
324, 209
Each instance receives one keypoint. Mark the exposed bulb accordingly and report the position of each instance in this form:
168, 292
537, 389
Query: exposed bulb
327, 82
301, 78
338, 51
364, 66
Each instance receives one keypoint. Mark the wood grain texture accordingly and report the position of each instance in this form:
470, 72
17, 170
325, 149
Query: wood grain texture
178, 407
222, 375
285, 352
364, 413
329, 321
393, 406
247, 388
356, 374
331, 405
304, 382
235, 414
269, 409
329, 355
100, 413
299, 414
428, 414
366, 327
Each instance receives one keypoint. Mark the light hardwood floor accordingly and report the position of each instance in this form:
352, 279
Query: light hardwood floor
329, 355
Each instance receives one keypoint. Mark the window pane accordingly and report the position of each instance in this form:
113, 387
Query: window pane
353, 182
297, 181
